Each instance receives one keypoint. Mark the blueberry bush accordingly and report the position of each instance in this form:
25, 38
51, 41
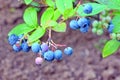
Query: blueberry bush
99, 15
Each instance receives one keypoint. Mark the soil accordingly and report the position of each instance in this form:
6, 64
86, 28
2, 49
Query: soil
85, 64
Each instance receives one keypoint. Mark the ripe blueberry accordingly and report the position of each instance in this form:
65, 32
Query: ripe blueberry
25, 47
35, 47
49, 55
68, 51
83, 21
110, 28
74, 25
16, 47
58, 54
87, 8
12, 39
84, 24
44, 47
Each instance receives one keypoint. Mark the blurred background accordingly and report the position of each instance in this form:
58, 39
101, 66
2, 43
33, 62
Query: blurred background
85, 64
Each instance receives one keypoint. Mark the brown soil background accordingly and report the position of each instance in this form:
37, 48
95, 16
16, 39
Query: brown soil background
85, 64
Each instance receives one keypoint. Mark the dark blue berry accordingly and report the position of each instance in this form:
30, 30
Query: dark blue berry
44, 47
85, 28
87, 8
68, 51
110, 28
84, 24
58, 54
35, 47
25, 47
49, 56
74, 25
12, 39
16, 47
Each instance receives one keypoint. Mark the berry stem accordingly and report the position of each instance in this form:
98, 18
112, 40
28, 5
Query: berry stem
58, 45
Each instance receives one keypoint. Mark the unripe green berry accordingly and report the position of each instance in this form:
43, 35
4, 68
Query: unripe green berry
113, 36
105, 25
99, 32
100, 24
103, 13
118, 36
95, 23
104, 19
108, 18
94, 30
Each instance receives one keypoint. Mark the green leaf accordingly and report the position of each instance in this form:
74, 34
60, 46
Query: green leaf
20, 29
69, 13
61, 27
46, 16
30, 17
38, 33
110, 47
63, 5
50, 23
28, 1
116, 23
97, 8
50, 3
56, 15
112, 4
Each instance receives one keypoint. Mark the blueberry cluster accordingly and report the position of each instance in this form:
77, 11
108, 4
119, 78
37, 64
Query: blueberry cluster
20, 43
50, 55
83, 24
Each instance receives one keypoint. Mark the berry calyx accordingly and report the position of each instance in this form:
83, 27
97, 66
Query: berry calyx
84, 24
16, 47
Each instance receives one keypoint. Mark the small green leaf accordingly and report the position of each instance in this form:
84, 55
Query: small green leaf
21, 29
46, 16
116, 23
69, 13
112, 4
28, 1
52, 23
38, 33
56, 15
110, 47
63, 5
50, 3
61, 27
30, 17
97, 8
